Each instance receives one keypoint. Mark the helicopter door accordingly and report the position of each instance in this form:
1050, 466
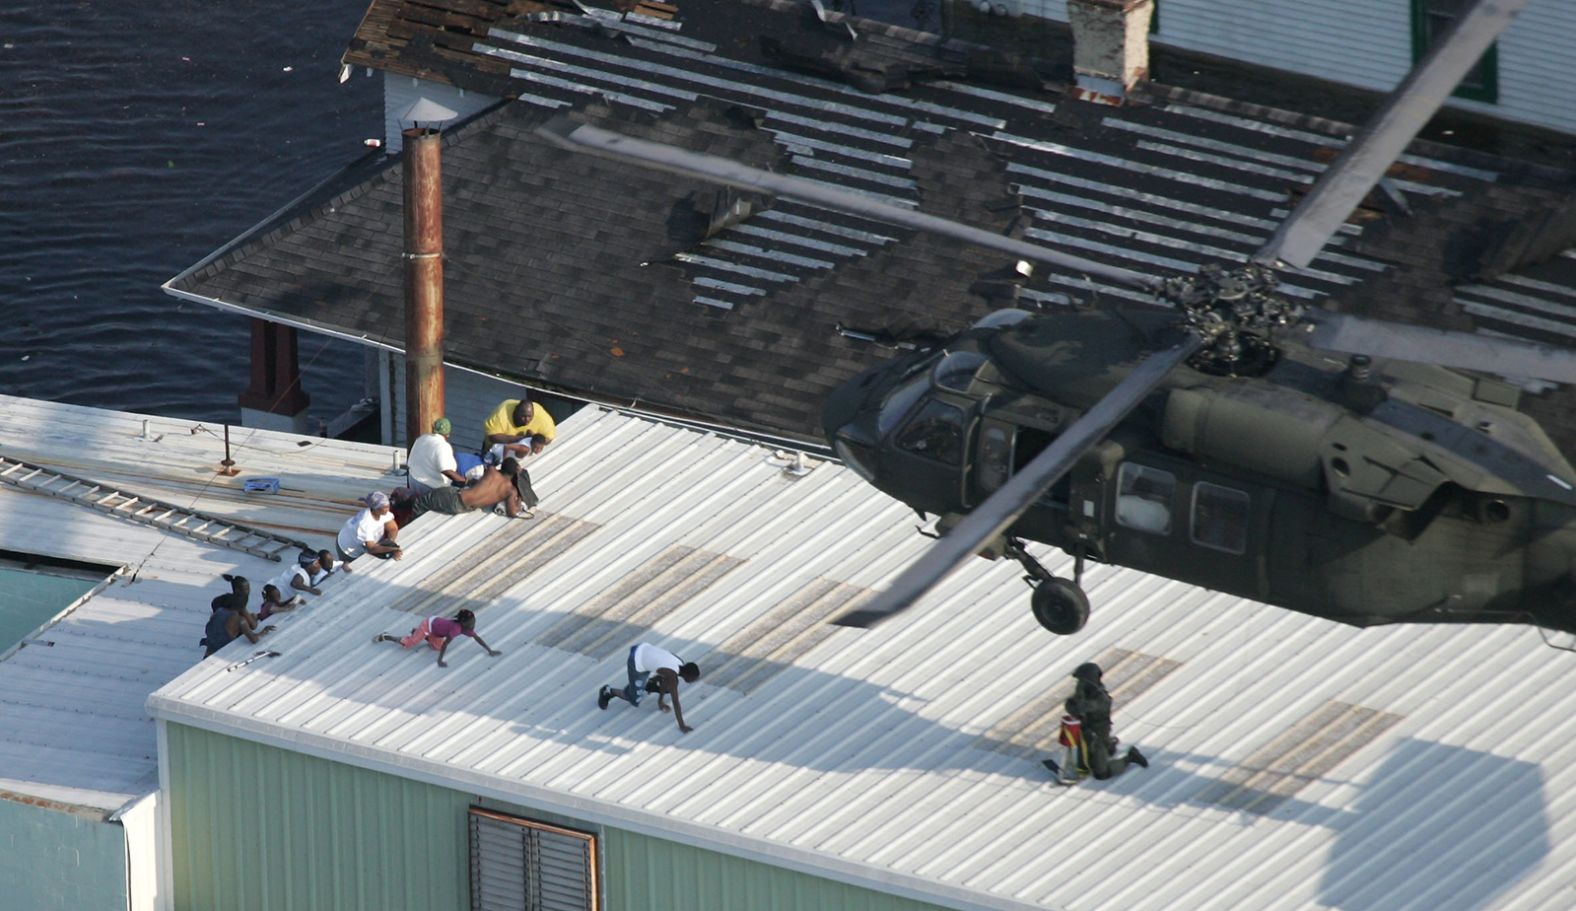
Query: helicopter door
993, 460
1002, 450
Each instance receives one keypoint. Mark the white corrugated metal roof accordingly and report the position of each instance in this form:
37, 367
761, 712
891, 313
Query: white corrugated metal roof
1295, 763
76, 732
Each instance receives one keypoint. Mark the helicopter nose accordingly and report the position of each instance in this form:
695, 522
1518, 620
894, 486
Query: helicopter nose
849, 420
845, 406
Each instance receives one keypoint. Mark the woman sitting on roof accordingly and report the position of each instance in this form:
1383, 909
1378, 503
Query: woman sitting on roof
370, 531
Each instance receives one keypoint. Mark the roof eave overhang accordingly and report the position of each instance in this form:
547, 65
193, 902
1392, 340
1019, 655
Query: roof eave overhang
598, 812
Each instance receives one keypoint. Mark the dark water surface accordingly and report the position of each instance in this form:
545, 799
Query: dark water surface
136, 138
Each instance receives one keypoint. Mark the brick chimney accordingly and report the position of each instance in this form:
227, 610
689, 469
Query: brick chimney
1110, 47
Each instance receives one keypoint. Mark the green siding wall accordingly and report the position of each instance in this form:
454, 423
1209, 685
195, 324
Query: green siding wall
255, 827
650, 873
52, 860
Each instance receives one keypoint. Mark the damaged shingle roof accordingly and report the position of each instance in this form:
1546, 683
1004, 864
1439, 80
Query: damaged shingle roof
605, 280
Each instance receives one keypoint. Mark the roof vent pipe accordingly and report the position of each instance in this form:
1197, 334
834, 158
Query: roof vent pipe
1110, 47
423, 256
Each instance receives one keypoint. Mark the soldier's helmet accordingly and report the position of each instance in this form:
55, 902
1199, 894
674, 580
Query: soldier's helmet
1089, 671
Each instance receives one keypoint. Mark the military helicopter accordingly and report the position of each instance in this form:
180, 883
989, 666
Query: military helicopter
1217, 442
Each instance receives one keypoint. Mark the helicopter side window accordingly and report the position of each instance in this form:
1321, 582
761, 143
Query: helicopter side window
1143, 498
1031, 442
1220, 518
936, 432
995, 457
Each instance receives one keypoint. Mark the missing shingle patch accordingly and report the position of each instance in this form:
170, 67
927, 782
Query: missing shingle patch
613, 619
782, 635
522, 548
1304, 753
1031, 730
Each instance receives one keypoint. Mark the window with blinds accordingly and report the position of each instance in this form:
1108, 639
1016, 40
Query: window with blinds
521, 865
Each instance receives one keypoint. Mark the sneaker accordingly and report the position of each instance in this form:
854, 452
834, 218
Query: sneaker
381, 637
1137, 758
603, 697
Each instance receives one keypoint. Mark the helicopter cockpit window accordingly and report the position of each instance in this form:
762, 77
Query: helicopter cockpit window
898, 403
1143, 498
936, 432
1220, 518
956, 370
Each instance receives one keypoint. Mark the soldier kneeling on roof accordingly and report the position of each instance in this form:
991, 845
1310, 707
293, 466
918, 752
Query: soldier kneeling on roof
1092, 705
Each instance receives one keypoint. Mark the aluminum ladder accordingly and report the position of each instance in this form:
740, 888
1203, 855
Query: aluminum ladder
157, 513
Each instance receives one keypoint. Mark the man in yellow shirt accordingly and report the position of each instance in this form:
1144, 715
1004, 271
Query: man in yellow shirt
520, 426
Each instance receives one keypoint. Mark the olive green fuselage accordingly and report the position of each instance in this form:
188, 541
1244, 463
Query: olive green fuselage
1404, 494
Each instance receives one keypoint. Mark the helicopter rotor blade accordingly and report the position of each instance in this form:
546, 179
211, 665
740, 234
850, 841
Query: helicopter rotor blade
1003, 507
1377, 338
718, 170
1371, 152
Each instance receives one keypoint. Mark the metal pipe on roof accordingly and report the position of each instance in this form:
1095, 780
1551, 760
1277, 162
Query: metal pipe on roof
423, 280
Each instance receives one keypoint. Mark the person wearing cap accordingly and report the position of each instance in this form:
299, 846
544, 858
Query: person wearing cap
519, 426
284, 591
370, 531
1091, 705
431, 463
326, 566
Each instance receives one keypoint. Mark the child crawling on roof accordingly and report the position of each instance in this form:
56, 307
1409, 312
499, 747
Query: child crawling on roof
438, 632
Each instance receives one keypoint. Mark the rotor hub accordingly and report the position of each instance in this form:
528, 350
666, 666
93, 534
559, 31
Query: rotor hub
1235, 312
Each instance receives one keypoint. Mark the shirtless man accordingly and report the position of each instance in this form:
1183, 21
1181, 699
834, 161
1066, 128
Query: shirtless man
496, 485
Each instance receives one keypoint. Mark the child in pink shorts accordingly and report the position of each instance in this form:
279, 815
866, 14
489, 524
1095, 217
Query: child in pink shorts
438, 632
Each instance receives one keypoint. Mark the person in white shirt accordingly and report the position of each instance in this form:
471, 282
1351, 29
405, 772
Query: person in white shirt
431, 462
370, 531
324, 566
646, 659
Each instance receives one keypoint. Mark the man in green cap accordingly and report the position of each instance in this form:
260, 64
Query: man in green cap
431, 463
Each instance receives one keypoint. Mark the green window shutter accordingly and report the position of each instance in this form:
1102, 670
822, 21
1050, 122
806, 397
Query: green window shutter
1430, 20
521, 865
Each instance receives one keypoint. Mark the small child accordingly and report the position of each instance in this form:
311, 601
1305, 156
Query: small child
438, 632
274, 602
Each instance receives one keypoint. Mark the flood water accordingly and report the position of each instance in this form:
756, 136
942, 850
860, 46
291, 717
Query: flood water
136, 138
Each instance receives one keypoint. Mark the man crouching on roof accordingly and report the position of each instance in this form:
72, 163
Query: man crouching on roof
646, 659
496, 485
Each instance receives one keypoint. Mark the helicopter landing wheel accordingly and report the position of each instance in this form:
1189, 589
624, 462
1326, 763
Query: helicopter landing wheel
1060, 606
